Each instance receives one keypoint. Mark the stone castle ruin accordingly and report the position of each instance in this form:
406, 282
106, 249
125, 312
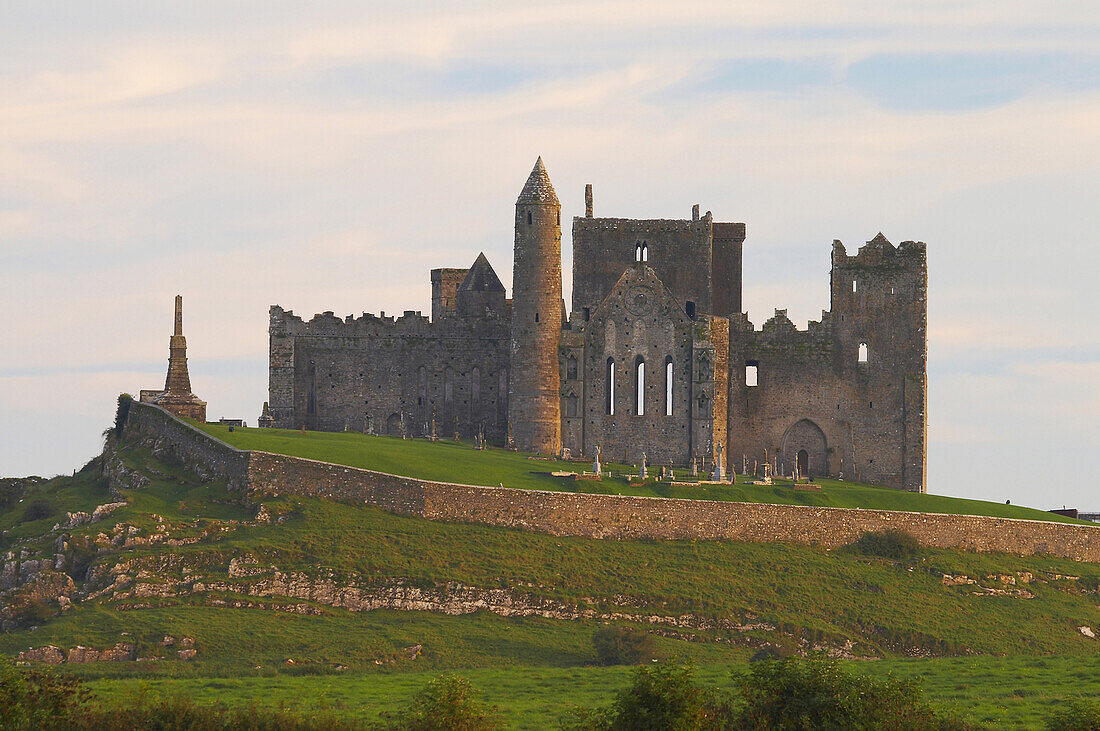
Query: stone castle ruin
654, 355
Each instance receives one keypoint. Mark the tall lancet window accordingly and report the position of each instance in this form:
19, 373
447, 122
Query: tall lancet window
609, 390
668, 386
639, 386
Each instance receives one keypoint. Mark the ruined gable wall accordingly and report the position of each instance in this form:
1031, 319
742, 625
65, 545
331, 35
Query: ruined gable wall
679, 251
640, 318
342, 373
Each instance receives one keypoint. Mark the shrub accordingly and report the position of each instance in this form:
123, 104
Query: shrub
1078, 714
819, 693
123, 410
785, 694
623, 646
447, 703
37, 509
37, 698
892, 544
661, 696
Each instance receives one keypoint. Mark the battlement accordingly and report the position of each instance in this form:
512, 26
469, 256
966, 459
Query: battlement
327, 324
879, 253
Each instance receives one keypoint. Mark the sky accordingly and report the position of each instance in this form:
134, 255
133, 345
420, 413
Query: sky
325, 156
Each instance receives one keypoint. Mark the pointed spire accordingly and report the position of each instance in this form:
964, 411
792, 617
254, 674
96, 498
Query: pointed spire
481, 277
538, 188
176, 396
179, 315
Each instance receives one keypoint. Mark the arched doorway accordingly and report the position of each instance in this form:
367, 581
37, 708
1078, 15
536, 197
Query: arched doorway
804, 442
393, 425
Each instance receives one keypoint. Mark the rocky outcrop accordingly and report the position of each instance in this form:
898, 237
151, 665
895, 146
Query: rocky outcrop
53, 655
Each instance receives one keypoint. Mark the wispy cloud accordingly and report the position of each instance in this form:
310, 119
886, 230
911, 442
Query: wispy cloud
325, 160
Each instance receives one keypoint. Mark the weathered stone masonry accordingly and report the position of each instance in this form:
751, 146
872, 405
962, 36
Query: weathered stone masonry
656, 309
598, 516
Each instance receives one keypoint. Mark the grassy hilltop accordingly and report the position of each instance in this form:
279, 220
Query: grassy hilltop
449, 461
351, 609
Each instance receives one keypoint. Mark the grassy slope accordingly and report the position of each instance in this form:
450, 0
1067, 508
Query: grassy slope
457, 462
1015, 692
528, 665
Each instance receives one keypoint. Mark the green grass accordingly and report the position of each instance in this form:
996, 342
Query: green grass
1001, 692
448, 461
1030, 652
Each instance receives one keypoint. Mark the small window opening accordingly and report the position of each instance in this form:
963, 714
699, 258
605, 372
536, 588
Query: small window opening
536, 317
863, 352
559, 218
855, 284
529, 219
891, 290
870, 404
751, 372
609, 390
639, 386
668, 386
690, 307
587, 314
571, 368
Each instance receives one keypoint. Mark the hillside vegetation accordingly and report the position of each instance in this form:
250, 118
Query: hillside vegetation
354, 608
449, 461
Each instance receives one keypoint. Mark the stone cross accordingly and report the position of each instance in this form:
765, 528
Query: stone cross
641, 472
719, 474
596, 467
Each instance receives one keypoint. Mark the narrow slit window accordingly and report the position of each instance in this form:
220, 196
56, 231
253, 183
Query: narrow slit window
639, 386
690, 308
855, 285
668, 386
536, 317
751, 373
609, 390
863, 352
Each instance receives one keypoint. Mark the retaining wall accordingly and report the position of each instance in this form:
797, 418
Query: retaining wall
210, 458
615, 516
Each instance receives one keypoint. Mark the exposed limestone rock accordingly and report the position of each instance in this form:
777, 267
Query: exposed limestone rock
186, 654
50, 654
957, 580
1087, 631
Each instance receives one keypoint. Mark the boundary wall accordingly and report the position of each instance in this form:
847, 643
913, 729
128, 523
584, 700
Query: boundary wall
599, 516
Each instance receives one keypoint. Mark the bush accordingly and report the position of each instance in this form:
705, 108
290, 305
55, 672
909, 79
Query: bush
1078, 714
623, 646
447, 703
662, 696
37, 698
37, 509
797, 694
123, 410
892, 544
785, 694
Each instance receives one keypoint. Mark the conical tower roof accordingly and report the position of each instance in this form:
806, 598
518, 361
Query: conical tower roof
481, 277
538, 188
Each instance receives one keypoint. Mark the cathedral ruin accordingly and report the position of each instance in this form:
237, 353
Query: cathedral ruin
654, 355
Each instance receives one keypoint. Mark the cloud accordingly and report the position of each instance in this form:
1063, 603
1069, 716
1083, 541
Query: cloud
325, 160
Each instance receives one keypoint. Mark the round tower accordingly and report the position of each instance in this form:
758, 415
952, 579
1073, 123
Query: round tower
534, 406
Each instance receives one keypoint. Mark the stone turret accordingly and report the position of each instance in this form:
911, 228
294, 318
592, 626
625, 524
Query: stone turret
534, 403
176, 396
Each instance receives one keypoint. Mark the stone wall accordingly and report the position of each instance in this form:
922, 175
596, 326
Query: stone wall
389, 375
600, 516
210, 458
869, 417
679, 250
